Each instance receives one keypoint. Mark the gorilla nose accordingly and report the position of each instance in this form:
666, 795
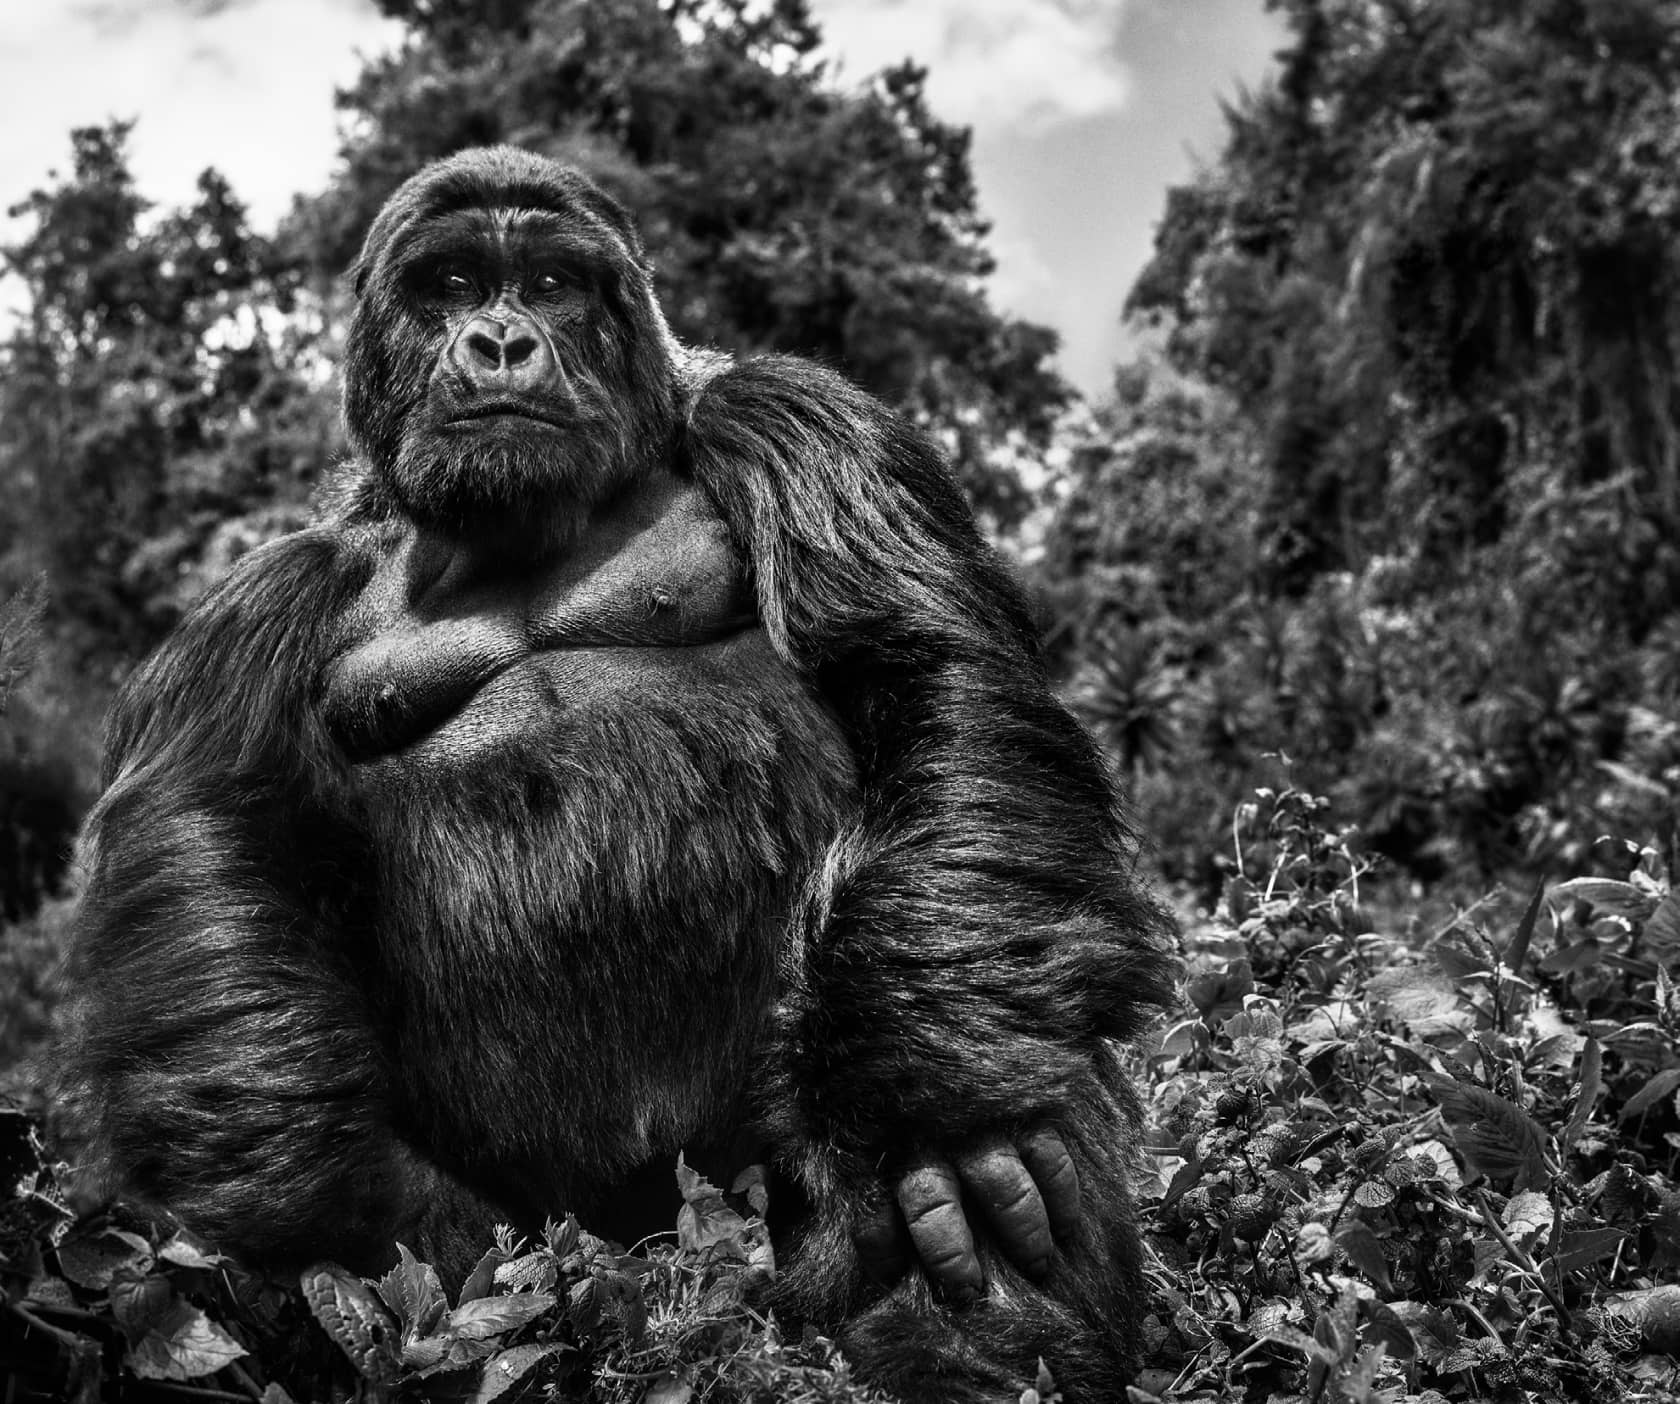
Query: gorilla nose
495, 355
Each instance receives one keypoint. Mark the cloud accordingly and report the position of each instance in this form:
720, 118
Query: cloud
1023, 63
242, 85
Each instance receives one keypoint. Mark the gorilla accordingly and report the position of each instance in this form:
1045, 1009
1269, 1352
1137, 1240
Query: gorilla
640, 751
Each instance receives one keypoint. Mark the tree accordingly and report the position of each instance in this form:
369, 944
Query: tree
1435, 263
150, 391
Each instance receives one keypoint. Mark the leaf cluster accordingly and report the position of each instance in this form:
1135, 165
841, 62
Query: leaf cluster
1417, 1166
112, 1296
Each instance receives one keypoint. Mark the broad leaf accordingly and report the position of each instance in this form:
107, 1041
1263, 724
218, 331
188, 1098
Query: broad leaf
93, 1261
1585, 1247
1497, 1139
491, 1316
355, 1318
1364, 1250
1528, 1216
1652, 1092
177, 1341
508, 1368
412, 1290
1434, 1332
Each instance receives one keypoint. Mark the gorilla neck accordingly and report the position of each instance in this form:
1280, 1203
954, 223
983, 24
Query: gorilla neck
507, 508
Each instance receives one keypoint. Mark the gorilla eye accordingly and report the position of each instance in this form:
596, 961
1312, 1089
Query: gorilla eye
452, 280
549, 282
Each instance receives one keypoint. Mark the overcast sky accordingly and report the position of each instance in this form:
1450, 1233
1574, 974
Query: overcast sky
1083, 111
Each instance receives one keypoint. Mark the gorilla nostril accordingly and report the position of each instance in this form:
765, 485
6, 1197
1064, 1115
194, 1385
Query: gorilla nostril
486, 348
518, 349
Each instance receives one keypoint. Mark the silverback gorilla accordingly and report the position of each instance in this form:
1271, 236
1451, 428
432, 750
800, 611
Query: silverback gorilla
641, 751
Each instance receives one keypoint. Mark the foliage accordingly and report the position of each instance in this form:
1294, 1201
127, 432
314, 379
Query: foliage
569, 1316
1392, 1163
1417, 428
147, 396
1424, 1165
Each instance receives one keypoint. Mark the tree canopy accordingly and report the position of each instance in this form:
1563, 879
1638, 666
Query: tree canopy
1427, 302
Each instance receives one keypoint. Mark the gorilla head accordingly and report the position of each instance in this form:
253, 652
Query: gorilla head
508, 367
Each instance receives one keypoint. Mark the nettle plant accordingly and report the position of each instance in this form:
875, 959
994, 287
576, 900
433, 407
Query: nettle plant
1420, 1166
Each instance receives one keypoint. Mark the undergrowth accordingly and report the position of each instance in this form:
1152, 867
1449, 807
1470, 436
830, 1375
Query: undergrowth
1401, 1166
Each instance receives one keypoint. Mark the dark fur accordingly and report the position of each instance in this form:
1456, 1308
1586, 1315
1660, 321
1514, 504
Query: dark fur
381, 943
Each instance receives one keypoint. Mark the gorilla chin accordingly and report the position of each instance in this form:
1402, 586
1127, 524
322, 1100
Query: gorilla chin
510, 477
669, 767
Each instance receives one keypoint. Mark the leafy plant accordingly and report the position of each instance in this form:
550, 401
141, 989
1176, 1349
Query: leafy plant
1423, 1165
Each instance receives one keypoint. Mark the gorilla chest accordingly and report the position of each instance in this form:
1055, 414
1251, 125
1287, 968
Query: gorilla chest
592, 791
617, 708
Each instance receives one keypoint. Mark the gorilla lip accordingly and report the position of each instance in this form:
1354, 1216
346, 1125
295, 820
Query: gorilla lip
504, 409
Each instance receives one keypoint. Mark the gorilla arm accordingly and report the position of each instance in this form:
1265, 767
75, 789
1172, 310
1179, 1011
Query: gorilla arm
223, 1048
974, 938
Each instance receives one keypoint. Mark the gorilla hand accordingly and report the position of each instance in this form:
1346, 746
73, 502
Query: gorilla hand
1027, 1194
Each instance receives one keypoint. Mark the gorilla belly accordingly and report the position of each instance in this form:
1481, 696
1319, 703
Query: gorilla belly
614, 837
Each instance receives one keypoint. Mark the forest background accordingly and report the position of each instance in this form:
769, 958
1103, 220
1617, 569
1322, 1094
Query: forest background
1387, 510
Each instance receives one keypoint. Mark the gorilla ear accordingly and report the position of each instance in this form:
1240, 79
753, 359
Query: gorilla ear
358, 277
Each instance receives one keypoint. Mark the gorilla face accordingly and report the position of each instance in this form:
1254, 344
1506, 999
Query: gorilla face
508, 369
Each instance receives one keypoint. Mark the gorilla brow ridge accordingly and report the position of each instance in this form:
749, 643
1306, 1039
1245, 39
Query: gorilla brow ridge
577, 246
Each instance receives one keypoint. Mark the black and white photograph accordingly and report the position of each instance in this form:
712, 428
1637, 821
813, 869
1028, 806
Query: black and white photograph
840, 702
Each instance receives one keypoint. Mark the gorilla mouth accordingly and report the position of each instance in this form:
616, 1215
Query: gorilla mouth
504, 409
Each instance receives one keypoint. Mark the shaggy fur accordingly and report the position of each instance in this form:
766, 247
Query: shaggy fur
563, 799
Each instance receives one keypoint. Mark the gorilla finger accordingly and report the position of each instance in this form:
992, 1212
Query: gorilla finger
997, 1178
882, 1245
931, 1197
1057, 1177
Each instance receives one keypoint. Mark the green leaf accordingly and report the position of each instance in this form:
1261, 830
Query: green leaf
183, 1252
355, 1319
491, 1316
1662, 931
424, 1353
171, 1339
1426, 1002
482, 1278
671, 1390
1434, 1332
1183, 1039
1577, 955
412, 1290
1656, 1313
1516, 954
1309, 1346
705, 1219
753, 1182
1496, 1139
1382, 1326
506, 1370
1654, 1090
1460, 958
535, 1272
1359, 1242
1607, 897
1592, 1083
1584, 1247
1528, 1216
94, 1260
